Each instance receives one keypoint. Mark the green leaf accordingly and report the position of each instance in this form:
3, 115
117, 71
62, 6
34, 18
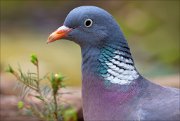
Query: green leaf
39, 97
20, 105
10, 69
34, 59
56, 82
59, 77
70, 115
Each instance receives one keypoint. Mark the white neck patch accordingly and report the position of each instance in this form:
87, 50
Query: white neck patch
120, 70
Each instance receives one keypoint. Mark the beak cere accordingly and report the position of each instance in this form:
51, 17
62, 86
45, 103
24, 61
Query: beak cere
59, 34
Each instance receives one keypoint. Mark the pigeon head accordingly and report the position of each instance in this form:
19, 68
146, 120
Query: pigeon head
105, 52
87, 25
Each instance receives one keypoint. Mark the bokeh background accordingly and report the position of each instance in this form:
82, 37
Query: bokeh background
152, 29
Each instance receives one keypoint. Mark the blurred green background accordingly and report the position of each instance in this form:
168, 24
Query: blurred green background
152, 29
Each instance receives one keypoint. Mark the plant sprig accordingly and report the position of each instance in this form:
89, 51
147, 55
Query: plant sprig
50, 110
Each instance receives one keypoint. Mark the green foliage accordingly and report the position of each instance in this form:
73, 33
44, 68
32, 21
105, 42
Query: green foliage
70, 115
34, 59
30, 84
10, 69
20, 105
56, 82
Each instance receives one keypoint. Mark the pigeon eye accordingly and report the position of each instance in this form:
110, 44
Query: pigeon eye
88, 22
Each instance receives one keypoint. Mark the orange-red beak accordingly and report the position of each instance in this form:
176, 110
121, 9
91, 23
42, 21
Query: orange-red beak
59, 34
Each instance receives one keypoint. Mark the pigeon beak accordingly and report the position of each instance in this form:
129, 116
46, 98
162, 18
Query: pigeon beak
59, 34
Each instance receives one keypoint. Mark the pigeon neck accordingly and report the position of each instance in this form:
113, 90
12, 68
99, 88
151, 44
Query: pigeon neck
116, 64
89, 59
112, 62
